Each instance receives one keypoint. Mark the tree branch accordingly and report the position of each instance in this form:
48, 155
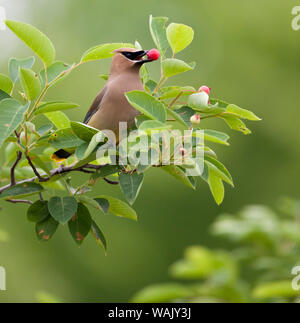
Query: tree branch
56, 171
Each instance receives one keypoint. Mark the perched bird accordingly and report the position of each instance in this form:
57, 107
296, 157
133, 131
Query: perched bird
111, 106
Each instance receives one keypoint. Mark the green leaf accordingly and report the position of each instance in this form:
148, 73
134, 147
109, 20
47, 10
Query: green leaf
38, 211
219, 168
275, 289
80, 224
150, 86
20, 190
150, 125
43, 130
147, 104
53, 71
11, 115
173, 66
46, 229
34, 39
105, 171
179, 174
171, 114
103, 51
162, 293
98, 235
218, 102
158, 32
131, 185
242, 113
95, 204
185, 114
213, 136
216, 186
62, 208
119, 208
65, 138
80, 150
6, 83
235, 123
10, 152
15, 64
179, 36
83, 131
55, 106
4, 95
30, 83
103, 203
169, 92
59, 119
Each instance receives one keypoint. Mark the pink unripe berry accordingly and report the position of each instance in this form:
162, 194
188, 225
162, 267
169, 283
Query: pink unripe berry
195, 119
205, 89
153, 54
182, 151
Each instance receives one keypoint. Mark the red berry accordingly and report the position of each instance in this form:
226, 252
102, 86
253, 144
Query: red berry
205, 89
153, 54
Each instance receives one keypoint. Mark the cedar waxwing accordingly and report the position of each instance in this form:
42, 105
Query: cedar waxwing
111, 106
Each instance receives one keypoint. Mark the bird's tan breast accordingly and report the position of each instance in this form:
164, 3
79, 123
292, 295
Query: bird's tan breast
114, 107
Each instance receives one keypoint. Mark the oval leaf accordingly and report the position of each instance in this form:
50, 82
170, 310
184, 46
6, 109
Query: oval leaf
59, 119
30, 83
80, 224
19, 190
46, 229
119, 208
131, 185
34, 39
55, 106
62, 208
216, 186
15, 64
83, 131
65, 138
98, 235
11, 115
38, 211
173, 66
179, 36
53, 71
147, 104
158, 32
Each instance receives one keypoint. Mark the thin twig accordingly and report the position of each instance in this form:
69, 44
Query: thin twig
19, 201
12, 170
110, 182
41, 179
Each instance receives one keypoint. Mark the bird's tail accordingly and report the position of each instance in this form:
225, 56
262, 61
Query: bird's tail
60, 155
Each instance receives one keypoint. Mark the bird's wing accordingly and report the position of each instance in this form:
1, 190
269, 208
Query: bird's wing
95, 105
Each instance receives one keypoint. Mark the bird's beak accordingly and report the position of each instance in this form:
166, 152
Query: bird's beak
140, 57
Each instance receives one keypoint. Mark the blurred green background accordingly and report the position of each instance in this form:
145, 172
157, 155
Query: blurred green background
247, 52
